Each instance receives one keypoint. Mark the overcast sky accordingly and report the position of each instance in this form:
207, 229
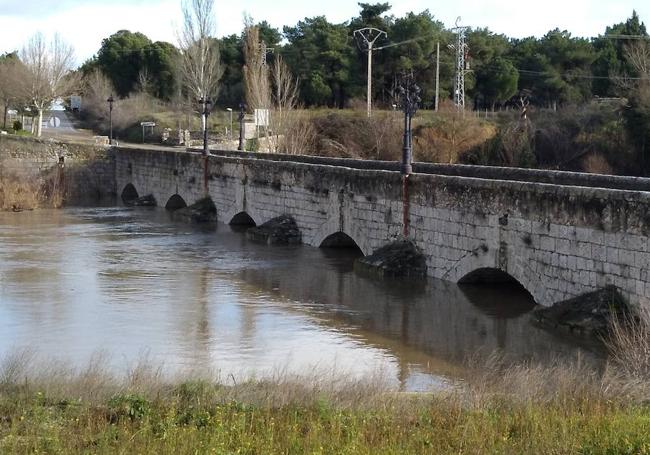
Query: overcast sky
84, 23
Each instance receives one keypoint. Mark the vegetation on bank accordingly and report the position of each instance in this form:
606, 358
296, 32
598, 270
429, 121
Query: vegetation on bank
499, 408
556, 410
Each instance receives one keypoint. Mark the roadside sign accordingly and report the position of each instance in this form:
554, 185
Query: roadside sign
54, 122
262, 117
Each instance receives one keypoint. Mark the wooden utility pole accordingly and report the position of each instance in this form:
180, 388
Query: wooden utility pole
437, 74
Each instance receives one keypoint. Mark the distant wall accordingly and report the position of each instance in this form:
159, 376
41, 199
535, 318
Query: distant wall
88, 170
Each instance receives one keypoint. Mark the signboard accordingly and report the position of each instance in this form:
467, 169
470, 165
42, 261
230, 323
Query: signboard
146, 125
54, 122
261, 117
75, 103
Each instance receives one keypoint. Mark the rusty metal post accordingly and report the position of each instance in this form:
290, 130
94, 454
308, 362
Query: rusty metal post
410, 100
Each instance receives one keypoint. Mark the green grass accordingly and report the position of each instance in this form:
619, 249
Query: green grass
499, 409
194, 418
527, 409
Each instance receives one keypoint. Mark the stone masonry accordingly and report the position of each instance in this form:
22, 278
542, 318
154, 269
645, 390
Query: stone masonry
559, 234
558, 241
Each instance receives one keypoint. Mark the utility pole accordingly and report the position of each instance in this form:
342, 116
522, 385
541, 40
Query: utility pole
461, 53
264, 51
437, 75
370, 35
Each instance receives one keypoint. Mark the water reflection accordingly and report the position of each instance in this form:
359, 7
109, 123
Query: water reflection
74, 282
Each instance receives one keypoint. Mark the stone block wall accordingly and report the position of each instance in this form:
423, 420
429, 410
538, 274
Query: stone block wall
557, 240
88, 172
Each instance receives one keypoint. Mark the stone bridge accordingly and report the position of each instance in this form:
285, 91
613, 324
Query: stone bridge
558, 234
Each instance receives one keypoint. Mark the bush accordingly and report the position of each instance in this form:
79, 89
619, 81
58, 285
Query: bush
357, 136
17, 126
449, 136
252, 145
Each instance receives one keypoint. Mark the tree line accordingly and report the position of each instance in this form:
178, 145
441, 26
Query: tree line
330, 63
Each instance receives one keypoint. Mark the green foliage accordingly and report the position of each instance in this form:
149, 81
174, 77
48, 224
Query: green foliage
17, 126
320, 54
232, 59
126, 57
121, 58
611, 61
252, 145
134, 407
497, 81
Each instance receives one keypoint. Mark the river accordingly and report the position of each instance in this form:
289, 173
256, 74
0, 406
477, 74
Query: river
131, 283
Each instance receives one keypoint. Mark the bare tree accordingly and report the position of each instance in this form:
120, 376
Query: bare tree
285, 102
256, 71
200, 58
49, 73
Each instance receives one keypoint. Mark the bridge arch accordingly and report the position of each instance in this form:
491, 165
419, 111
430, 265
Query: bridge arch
175, 202
339, 240
482, 269
242, 219
129, 193
333, 227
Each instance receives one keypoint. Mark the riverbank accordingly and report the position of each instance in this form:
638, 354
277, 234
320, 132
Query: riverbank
523, 409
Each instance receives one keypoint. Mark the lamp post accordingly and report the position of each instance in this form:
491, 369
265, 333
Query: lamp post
110, 101
410, 101
242, 113
205, 103
229, 109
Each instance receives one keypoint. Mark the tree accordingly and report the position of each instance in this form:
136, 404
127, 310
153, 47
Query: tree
497, 81
611, 58
200, 59
11, 75
320, 54
48, 73
285, 100
555, 69
232, 61
256, 71
418, 35
160, 62
637, 112
122, 57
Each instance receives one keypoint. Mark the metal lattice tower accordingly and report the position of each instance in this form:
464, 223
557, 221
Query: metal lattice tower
461, 53
264, 51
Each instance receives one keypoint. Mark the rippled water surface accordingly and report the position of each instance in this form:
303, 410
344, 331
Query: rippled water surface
126, 282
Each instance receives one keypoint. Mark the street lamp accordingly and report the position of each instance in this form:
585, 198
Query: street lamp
110, 101
242, 113
410, 100
205, 103
229, 109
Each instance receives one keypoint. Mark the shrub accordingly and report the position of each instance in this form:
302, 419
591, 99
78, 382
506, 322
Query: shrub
252, 145
131, 406
17, 126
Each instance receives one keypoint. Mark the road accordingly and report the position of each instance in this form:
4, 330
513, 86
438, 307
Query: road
61, 125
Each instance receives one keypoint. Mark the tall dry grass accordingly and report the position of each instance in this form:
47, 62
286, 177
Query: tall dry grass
629, 344
21, 189
51, 408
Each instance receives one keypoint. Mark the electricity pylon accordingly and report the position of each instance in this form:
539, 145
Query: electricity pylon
370, 35
462, 50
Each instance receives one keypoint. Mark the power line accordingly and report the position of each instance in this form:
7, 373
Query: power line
624, 37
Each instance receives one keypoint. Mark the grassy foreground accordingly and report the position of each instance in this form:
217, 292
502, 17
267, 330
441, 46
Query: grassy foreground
525, 410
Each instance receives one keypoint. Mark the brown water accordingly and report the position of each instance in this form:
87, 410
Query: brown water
126, 282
